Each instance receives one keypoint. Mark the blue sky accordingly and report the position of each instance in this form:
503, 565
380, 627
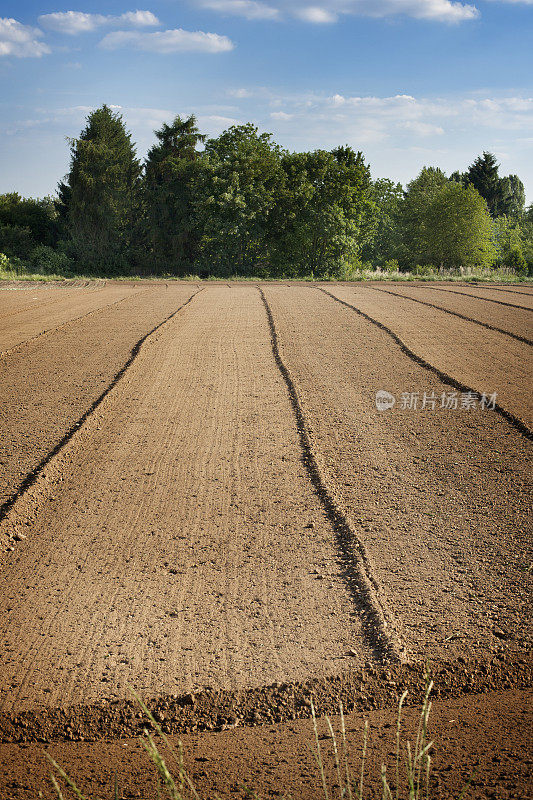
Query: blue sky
408, 82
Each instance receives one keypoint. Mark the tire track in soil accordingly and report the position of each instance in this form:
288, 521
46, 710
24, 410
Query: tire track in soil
170, 550
53, 330
513, 420
361, 580
455, 314
478, 297
440, 499
32, 476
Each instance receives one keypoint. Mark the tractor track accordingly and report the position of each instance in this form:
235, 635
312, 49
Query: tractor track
357, 566
445, 378
32, 476
456, 314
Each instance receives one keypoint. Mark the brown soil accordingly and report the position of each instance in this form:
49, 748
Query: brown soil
488, 735
438, 499
480, 358
48, 383
31, 312
512, 321
201, 493
523, 301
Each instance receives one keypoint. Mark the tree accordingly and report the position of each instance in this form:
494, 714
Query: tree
513, 197
483, 175
458, 228
170, 188
26, 223
99, 199
509, 243
240, 184
445, 223
385, 239
504, 196
412, 216
322, 217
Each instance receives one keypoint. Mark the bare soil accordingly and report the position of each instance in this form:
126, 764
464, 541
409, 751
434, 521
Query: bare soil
488, 735
201, 501
482, 359
515, 322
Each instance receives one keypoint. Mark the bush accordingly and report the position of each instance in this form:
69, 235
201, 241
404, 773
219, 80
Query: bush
515, 260
427, 269
16, 241
391, 265
48, 261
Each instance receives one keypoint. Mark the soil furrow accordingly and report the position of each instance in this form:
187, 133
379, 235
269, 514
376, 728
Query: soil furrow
54, 328
456, 314
478, 297
382, 634
47, 385
438, 496
505, 289
65, 306
175, 541
31, 476
447, 379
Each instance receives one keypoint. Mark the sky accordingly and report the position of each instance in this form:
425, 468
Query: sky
411, 83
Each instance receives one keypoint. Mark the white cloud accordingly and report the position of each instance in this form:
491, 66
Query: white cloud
20, 40
438, 10
239, 93
171, 41
451, 11
75, 22
316, 14
423, 128
140, 19
281, 115
249, 9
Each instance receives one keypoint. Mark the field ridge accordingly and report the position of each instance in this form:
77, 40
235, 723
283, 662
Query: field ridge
31, 477
516, 422
382, 634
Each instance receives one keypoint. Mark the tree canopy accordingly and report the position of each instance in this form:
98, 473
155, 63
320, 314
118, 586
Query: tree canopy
238, 203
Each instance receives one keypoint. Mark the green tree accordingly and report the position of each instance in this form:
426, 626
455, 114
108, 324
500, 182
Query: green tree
483, 175
323, 215
509, 241
458, 228
170, 194
513, 197
444, 223
413, 220
504, 196
385, 235
26, 223
99, 199
240, 184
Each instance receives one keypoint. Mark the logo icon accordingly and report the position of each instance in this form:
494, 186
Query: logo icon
384, 400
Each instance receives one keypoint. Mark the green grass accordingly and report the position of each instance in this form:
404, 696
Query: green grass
409, 779
366, 274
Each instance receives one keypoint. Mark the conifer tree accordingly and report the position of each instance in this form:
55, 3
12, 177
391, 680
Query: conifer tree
98, 200
169, 194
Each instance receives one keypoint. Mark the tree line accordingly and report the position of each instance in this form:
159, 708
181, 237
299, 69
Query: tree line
239, 204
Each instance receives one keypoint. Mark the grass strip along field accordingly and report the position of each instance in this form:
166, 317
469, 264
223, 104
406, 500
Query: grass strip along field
200, 492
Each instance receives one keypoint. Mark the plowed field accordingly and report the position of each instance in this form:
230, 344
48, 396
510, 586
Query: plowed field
200, 500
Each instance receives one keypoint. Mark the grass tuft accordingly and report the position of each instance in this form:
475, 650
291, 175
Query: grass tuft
413, 784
